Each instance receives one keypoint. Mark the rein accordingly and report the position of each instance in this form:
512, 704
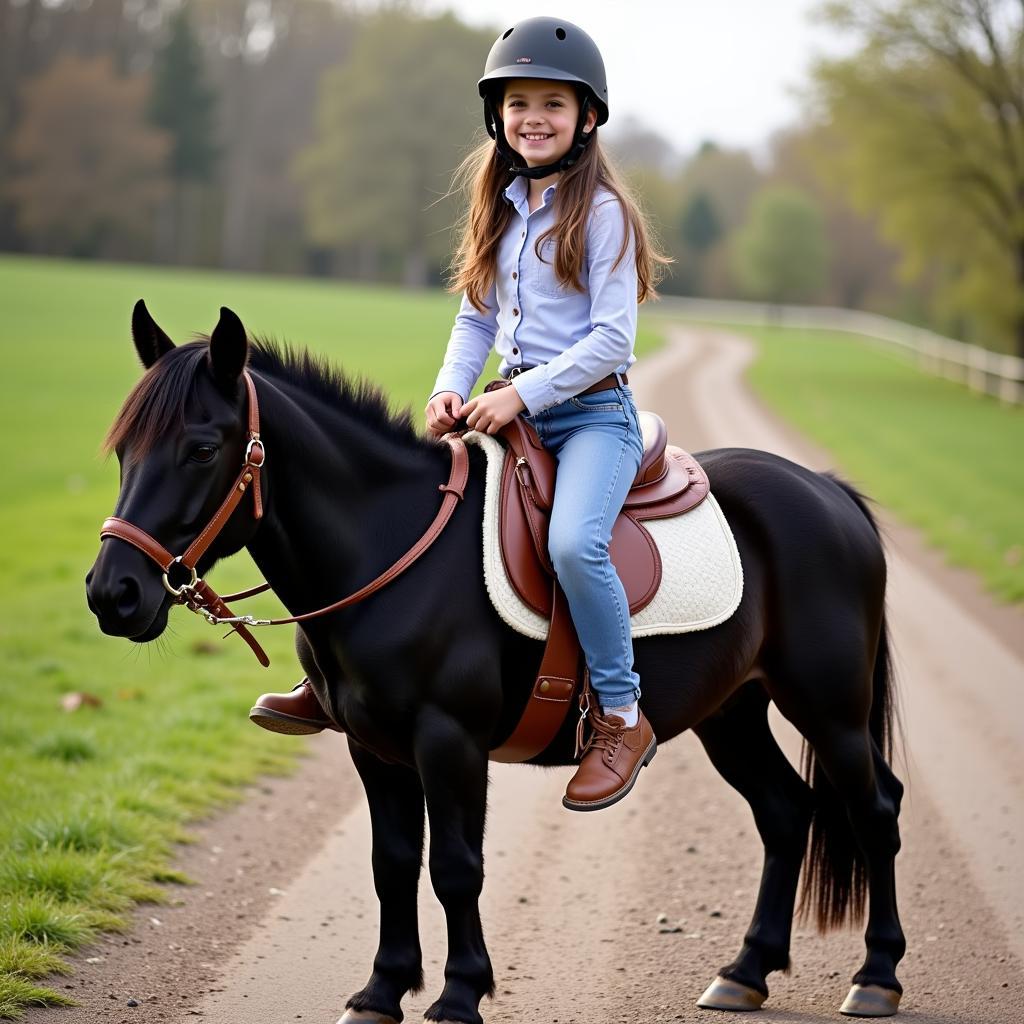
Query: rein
199, 597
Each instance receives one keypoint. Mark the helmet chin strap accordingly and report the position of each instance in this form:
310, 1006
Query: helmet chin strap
496, 130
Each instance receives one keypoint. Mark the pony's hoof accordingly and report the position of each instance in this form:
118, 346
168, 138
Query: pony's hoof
870, 1001
723, 994
365, 1017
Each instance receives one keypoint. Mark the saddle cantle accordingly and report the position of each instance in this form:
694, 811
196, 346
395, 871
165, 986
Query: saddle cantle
670, 481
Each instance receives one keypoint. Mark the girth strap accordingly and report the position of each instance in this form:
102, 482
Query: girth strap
552, 692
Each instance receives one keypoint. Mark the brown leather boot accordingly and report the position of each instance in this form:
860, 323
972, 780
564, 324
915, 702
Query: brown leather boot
611, 761
295, 713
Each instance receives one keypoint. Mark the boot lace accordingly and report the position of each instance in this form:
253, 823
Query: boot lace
604, 735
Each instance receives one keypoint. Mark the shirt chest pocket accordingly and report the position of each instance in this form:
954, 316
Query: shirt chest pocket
543, 279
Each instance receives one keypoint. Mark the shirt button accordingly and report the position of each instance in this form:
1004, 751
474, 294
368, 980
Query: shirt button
514, 275
515, 312
523, 235
515, 351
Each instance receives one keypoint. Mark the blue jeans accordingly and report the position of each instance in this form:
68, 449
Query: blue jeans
597, 442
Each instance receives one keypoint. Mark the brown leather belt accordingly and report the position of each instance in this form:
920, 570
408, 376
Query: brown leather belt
605, 383
613, 380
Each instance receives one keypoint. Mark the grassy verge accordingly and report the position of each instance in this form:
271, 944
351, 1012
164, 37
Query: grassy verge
93, 799
943, 458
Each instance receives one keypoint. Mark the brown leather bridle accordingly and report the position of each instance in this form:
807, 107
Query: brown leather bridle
199, 597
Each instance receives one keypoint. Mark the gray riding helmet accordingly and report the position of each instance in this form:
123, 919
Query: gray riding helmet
548, 48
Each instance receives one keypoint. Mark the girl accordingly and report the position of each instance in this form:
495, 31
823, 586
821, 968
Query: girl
553, 259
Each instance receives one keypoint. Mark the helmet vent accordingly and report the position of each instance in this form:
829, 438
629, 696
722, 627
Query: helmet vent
559, 33
508, 33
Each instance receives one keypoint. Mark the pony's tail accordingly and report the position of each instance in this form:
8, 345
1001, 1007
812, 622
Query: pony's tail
835, 878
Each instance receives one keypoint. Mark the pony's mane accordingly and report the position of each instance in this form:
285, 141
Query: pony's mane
157, 402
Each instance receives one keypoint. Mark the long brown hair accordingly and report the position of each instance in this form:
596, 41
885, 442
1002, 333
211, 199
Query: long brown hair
484, 176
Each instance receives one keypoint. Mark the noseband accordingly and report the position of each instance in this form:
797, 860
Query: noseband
199, 597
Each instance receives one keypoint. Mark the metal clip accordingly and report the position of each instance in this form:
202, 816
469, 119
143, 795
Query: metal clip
584, 711
238, 620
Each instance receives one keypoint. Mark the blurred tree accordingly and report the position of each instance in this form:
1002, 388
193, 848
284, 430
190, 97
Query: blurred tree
268, 60
36, 33
392, 123
89, 168
699, 229
727, 180
780, 254
699, 225
182, 104
862, 270
929, 121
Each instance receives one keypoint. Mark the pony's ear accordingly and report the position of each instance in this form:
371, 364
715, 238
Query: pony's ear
150, 342
229, 349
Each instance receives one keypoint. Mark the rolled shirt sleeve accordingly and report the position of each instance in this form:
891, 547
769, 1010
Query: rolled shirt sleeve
469, 345
613, 310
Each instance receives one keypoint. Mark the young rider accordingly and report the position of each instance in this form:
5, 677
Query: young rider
553, 260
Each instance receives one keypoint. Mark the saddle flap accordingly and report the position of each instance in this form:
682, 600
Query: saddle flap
524, 536
670, 481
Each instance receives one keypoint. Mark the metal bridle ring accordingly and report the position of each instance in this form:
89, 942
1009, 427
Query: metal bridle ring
177, 592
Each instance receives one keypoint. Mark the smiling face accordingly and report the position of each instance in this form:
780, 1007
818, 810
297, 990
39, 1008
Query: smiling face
540, 118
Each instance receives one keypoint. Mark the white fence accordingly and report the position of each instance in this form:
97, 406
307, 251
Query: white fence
981, 370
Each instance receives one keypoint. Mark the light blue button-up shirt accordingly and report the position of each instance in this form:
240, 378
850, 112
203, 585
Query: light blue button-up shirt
570, 339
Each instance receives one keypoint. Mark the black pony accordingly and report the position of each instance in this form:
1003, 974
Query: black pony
425, 677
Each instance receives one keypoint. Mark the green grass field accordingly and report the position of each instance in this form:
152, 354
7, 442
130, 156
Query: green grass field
947, 460
93, 799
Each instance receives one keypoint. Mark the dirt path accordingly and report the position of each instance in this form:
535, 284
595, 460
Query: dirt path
571, 901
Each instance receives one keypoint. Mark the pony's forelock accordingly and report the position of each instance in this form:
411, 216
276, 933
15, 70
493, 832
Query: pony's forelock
156, 401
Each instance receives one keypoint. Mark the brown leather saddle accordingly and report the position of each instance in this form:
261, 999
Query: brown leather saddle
670, 481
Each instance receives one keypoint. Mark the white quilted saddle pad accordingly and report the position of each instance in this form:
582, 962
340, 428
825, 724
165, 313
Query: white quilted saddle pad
702, 579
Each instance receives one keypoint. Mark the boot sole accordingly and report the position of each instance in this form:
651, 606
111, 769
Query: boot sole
607, 801
289, 725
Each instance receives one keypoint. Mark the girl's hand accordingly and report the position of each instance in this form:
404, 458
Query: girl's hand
442, 412
489, 413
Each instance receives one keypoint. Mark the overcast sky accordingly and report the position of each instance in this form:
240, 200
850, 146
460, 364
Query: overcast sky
691, 69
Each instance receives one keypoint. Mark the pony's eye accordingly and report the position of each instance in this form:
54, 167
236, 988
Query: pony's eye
203, 453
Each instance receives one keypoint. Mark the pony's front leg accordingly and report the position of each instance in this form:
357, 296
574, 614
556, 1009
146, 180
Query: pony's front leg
453, 767
395, 796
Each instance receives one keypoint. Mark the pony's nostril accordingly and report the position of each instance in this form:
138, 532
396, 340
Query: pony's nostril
129, 597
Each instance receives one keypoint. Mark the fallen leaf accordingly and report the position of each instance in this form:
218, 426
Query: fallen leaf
80, 699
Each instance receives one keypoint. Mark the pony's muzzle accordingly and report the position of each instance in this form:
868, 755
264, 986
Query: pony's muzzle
116, 596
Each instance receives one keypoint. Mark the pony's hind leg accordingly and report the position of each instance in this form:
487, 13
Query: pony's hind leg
743, 749
859, 775
395, 796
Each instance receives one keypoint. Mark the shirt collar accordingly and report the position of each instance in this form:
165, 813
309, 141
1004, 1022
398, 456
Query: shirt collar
517, 191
